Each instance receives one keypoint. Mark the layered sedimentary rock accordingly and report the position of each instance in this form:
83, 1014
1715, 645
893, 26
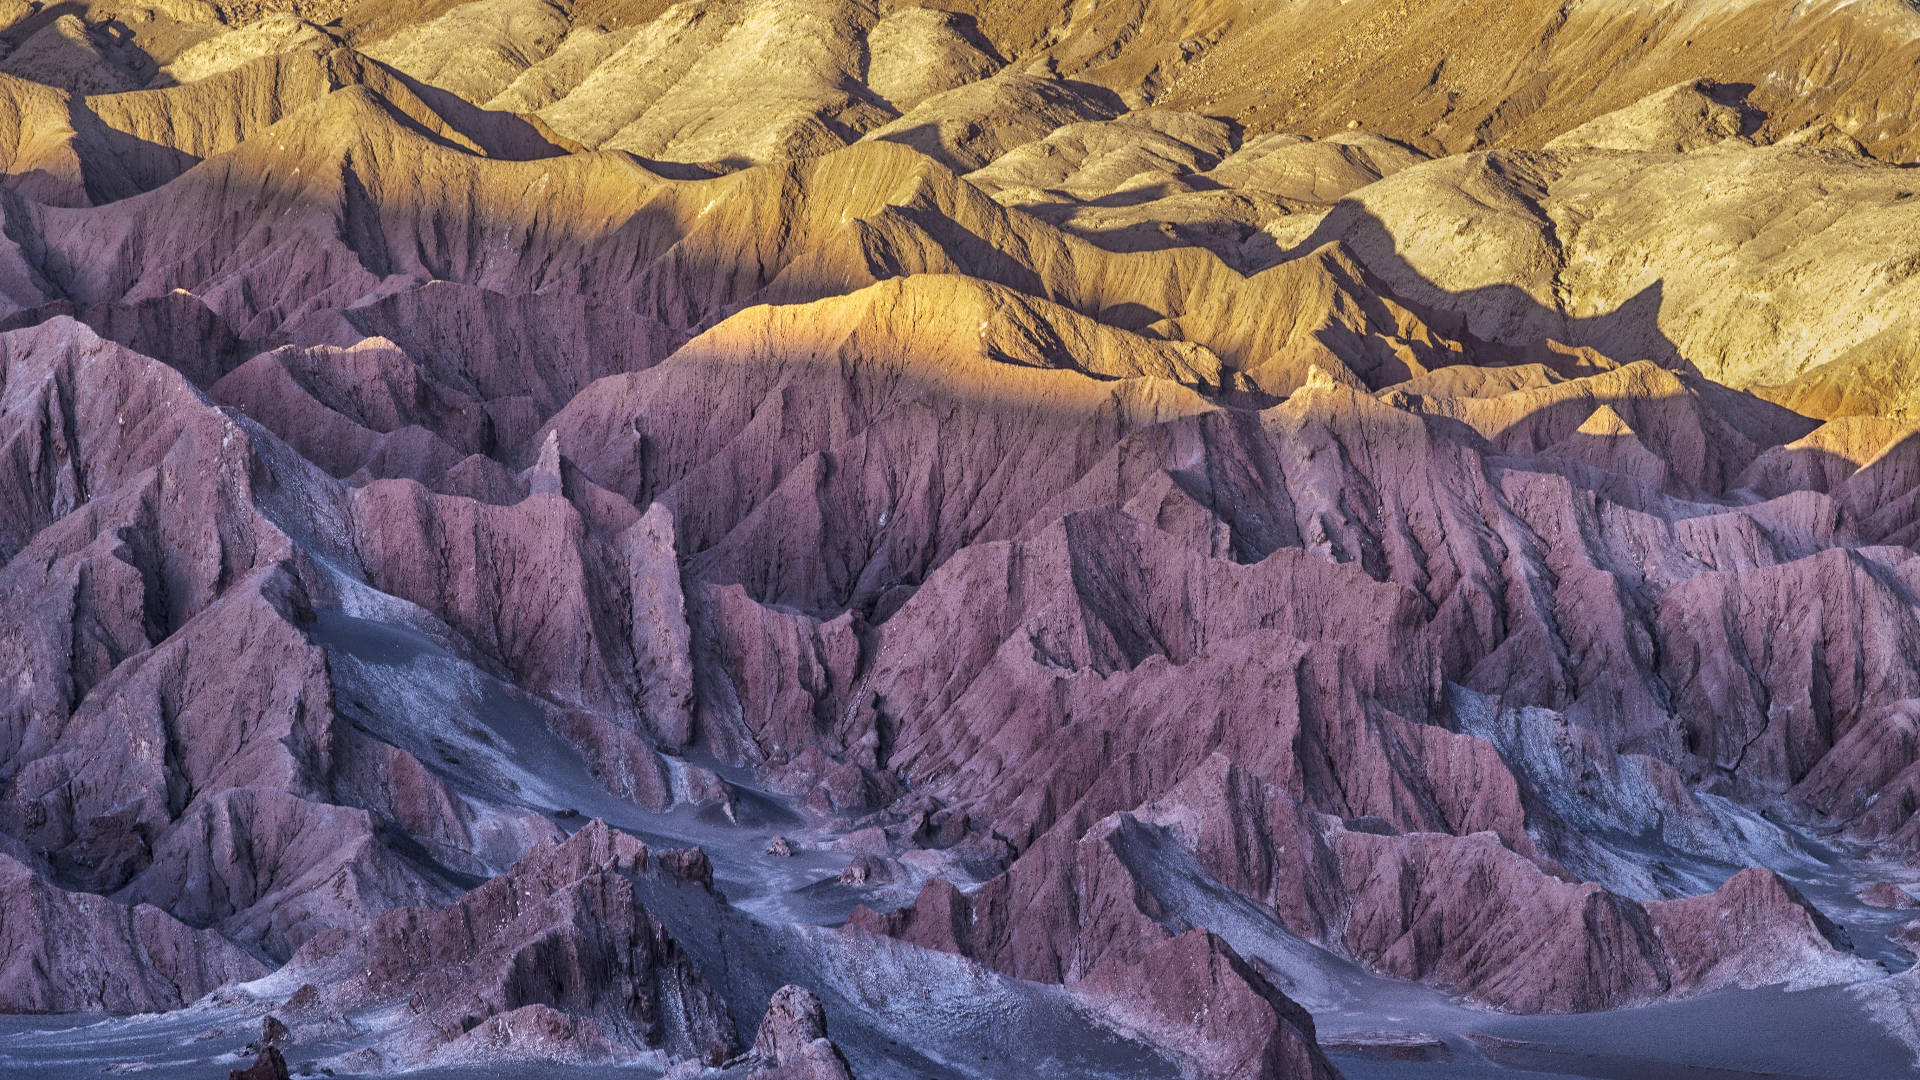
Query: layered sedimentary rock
1035, 486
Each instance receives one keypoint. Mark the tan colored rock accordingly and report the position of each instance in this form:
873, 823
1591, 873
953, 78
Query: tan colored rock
915, 53
71, 55
277, 33
478, 48
1681, 119
1036, 453
1659, 257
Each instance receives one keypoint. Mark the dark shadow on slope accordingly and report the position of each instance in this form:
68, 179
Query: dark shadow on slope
932, 139
1627, 333
116, 163
126, 63
179, 330
385, 239
1734, 96
646, 240
654, 235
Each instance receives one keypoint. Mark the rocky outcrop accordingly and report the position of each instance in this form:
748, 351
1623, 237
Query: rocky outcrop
556, 957
1467, 914
1781, 938
792, 1042
996, 454
77, 952
1246, 1029
268, 1066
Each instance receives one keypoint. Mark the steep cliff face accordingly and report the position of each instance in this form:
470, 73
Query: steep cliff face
1009, 521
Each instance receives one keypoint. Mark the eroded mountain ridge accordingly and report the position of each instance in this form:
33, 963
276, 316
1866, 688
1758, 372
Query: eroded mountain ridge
811, 538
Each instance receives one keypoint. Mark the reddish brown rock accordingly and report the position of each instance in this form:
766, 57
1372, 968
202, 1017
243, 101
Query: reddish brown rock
555, 957
268, 1066
1907, 936
1886, 894
273, 1033
1467, 914
76, 952
1755, 930
359, 440
792, 1042
688, 864
1193, 995
554, 577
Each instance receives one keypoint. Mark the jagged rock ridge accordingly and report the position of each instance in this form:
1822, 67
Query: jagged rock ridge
1026, 513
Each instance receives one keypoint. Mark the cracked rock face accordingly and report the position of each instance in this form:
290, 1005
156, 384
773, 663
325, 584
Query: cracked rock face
811, 538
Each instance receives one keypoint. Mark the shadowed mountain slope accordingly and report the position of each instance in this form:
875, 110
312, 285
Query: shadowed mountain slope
816, 538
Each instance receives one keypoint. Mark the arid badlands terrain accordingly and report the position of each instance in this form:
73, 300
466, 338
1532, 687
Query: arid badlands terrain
809, 539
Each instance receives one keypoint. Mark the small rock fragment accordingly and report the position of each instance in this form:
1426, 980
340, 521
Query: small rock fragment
268, 1066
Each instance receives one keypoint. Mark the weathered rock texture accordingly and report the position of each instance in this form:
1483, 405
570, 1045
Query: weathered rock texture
792, 1042
554, 957
1435, 484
